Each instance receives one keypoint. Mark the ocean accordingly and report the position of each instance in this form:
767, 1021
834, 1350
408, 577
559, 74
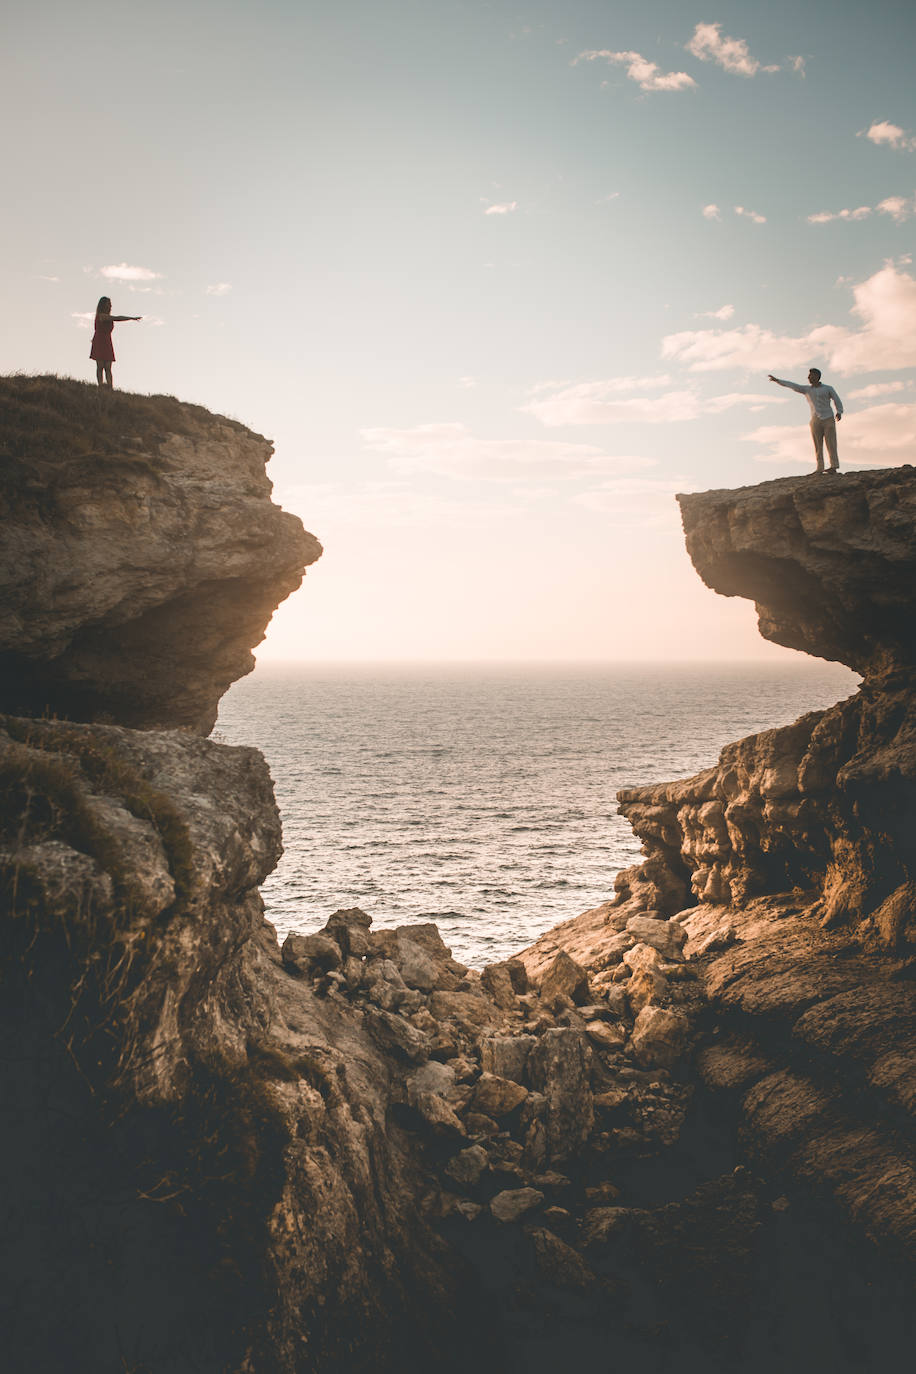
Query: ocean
482, 797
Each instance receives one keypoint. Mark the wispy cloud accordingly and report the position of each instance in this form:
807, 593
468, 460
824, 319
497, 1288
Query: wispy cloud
750, 214
451, 450
724, 312
899, 208
505, 207
467, 383
797, 64
886, 340
601, 403
870, 393
732, 54
42, 277
124, 272
220, 288
881, 131
647, 75
882, 436
711, 212
85, 319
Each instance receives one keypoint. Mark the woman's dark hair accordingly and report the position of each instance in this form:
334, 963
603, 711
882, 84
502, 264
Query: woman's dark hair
104, 304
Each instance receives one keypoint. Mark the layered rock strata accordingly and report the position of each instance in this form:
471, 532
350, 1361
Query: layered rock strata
141, 557
791, 864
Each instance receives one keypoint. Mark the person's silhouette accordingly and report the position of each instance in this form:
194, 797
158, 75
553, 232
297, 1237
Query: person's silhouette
102, 350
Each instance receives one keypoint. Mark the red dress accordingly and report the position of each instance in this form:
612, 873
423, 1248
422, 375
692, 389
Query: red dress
102, 350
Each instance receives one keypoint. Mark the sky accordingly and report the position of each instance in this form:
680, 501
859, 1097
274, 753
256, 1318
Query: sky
497, 279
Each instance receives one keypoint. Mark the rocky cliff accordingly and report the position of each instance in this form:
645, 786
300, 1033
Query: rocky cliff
141, 556
355, 1153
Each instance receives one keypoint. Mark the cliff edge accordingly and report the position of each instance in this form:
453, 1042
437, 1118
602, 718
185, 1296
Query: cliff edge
141, 557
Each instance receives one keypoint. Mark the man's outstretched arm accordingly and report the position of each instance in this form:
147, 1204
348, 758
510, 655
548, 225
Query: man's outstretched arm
793, 386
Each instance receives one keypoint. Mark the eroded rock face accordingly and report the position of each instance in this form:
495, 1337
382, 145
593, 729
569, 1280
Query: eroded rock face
829, 563
136, 575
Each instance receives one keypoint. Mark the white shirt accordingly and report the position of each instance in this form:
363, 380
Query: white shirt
819, 398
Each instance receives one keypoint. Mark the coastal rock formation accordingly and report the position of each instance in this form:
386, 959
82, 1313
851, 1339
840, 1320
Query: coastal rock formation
791, 864
141, 557
353, 1152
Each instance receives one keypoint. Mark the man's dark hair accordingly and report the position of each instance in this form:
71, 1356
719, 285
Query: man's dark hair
817, 372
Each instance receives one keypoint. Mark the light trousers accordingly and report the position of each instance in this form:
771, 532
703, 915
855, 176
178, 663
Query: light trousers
821, 430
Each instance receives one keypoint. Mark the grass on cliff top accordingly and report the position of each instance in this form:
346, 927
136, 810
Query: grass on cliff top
54, 419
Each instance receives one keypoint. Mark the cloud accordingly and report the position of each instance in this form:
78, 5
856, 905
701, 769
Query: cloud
648, 75
505, 208
886, 340
636, 502
891, 134
724, 312
451, 450
825, 216
220, 288
882, 436
732, 54
124, 272
42, 277
898, 207
467, 383
85, 319
750, 214
797, 64
868, 393
711, 212
600, 403
336, 508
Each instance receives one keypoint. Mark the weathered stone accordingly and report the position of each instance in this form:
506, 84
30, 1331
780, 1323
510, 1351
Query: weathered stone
350, 929
506, 1055
310, 952
668, 937
478, 1124
643, 956
519, 976
647, 987
134, 586
558, 1067
659, 1035
417, 968
467, 1166
497, 1097
564, 978
611, 1099
437, 1114
558, 1262
394, 1033
469, 1012
433, 1077
497, 980
605, 1035
513, 1203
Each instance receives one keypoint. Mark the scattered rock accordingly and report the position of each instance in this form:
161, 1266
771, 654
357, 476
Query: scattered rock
467, 1166
605, 1035
513, 1203
558, 1066
558, 1262
647, 987
659, 1035
394, 1033
564, 978
308, 953
497, 980
350, 929
433, 1077
437, 1114
496, 1096
668, 937
506, 1055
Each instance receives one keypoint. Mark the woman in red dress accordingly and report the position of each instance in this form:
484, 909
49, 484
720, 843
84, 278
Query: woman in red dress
102, 352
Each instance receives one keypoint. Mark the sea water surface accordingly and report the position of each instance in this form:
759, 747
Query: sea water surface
482, 797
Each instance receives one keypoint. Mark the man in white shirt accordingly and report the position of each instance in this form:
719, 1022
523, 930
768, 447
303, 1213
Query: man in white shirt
823, 425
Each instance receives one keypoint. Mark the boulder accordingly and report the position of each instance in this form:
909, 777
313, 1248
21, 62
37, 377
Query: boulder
497, 980
469, 1012
647, 987
564, 979
466, 1166
506, 1055
437, 1114
558, 1067
433, 1077
519, 975
513, 1203
605, 1035
668, 937
643, 956
350, 929
310, 953
558, 1262
497, 1097
392, 1032
416, 966
659, 1036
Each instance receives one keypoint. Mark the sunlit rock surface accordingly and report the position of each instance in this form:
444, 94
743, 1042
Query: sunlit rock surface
141, 557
